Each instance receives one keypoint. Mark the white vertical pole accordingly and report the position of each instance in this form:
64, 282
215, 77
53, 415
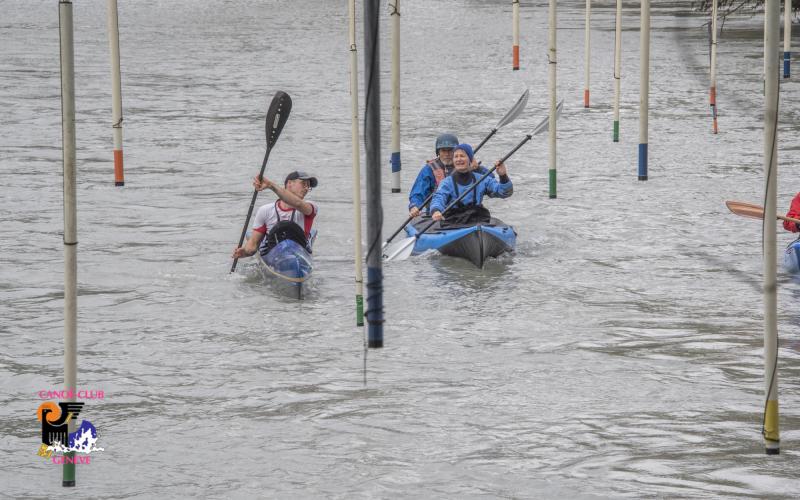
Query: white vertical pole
358, 251
644, 89
515, 33
772, 35
116, 91
713, 95
70, 218
787, 38
617, 67
551, 57
394, 13
587, 38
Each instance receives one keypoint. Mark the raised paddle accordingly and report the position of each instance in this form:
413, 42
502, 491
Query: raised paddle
512, 115
753, 211
277, 114
403, 248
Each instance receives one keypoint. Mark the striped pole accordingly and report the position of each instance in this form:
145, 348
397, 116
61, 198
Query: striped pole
394, 13
551, 57
771, 428
644, 89
356, 165
617, 67
787, 38
515, 30
372, 138
587, 52
70, 221
715, 129
116, 91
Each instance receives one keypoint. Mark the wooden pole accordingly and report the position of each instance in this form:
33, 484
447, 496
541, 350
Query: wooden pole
617, 67
551, 58
587, 52
515, 32
772, 80
70, 220
116, 91
358, 251
713, 94
372, 138
787, 38
644, 89
394, 13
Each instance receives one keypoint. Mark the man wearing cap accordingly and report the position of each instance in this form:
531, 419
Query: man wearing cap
291, 208
432, 173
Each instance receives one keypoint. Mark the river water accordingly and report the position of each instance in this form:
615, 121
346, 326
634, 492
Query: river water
618, 353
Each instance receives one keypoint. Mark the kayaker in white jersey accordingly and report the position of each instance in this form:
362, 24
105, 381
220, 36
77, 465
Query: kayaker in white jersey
291, 216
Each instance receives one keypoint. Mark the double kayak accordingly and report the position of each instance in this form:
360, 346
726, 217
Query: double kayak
290, 263
473, 242
791, 257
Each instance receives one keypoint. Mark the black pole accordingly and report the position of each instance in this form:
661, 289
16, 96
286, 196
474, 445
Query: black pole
372, 138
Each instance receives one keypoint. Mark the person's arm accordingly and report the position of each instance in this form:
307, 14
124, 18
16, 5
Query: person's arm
502, 188
423, 186
794, 212
441, 198
285, 195
250, 247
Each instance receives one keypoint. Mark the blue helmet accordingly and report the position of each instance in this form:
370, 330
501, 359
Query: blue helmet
446, 141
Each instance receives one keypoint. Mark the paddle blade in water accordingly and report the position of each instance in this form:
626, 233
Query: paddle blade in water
400, 250
745, 209
277, 115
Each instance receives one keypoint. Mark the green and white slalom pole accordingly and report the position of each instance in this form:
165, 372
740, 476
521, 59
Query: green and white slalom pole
394, 14
617, 67
70, 222
116, 92
551, 58
358, 252
587, 51
771, 428
644, 89
515, 33
372, 138
713, 93
787, 38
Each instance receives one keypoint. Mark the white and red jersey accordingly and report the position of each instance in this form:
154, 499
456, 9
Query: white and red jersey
269, 215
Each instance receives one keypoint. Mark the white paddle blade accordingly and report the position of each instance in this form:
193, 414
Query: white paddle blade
514, 112
544, 126
400, 250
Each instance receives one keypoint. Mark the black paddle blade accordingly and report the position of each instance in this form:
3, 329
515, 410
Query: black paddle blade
277, 114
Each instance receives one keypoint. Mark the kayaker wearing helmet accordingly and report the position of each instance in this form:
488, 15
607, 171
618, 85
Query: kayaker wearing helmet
794, 213
469, 209
288, 217
432, 173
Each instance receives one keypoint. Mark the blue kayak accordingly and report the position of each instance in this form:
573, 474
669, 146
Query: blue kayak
473, 242
791, 257
291, 263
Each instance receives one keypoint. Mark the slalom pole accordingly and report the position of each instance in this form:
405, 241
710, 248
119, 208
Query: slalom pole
372, 138
787, 38
771, 428
358, 251
713, 95
644, 89
587, 38
394, 14
551, 57
116, 91
70, 221
515, 32
617, 67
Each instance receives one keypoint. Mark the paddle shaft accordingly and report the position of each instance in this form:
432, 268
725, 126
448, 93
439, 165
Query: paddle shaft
252, 204
430, 196
753, 211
